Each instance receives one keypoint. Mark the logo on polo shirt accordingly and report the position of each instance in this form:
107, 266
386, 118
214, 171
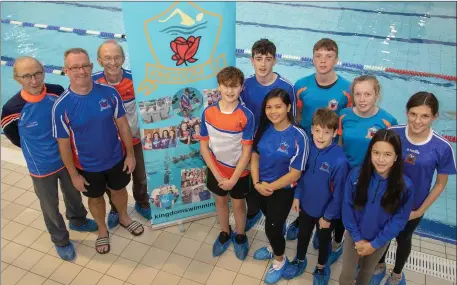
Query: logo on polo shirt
371, 132
283, 147
104, 104
333, 104
325, 167
410, 158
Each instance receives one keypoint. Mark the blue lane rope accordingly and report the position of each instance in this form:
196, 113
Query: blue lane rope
64, 29
294, 58
422, 15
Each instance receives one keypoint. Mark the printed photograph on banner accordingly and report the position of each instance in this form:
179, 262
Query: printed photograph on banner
165, 196
159, 138
189, 130
211, 96
187, 101
155, 110
193, 185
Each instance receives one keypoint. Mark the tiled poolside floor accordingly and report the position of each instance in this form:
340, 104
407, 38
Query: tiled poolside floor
158, 257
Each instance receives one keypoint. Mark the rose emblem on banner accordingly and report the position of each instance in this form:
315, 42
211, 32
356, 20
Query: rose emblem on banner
184, 50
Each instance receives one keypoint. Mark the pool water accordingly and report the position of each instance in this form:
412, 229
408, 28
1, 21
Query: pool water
419, 36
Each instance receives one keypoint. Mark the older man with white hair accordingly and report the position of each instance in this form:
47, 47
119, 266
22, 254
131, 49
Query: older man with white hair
111, 57
27, 123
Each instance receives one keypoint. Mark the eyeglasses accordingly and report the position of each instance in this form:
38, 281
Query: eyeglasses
85, 67
117, 58
37, 75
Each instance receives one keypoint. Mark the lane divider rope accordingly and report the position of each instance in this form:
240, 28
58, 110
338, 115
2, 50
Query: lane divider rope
53, 69
240, 51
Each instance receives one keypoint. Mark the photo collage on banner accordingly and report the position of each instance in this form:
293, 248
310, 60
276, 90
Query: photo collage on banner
179, 47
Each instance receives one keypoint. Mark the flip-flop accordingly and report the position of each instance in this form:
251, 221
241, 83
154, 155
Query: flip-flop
133, 227
103, 241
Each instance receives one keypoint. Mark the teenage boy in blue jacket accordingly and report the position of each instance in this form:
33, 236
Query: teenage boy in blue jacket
319, 195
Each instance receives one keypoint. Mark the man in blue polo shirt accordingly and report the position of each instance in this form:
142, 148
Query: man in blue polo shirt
27, 123
95, 143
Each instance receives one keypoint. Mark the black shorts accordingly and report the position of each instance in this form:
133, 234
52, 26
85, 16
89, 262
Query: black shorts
113, 178
239, 191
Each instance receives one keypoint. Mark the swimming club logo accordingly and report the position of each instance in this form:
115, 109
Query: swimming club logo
283, 147
182, 40
325, 167
104, 104
410, 158
333, 105
371, 132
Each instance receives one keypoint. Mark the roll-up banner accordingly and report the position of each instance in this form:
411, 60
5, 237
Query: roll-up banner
176, 50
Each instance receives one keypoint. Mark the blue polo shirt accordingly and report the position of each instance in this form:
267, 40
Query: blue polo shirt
281, 150
423, 159
89, 122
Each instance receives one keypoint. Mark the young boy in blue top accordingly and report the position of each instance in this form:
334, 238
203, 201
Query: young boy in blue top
227, 131
255, 89
319, 195
322, 89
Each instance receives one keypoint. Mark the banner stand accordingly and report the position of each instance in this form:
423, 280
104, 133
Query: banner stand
180, 223
175, 51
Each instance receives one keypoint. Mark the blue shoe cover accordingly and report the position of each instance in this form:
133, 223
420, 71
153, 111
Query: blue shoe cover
90, 226
67, 252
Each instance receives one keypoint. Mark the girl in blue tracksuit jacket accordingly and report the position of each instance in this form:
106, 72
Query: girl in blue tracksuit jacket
376, 207
319, 195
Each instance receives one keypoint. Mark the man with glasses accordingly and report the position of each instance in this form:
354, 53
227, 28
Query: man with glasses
89, 123
27, 123
110, 55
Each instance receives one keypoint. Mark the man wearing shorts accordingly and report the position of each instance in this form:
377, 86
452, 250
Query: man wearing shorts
89, 122
111, 57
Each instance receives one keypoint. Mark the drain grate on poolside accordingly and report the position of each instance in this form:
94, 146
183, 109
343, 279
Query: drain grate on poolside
427, 264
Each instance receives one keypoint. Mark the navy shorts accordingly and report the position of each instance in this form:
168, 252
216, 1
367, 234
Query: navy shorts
239, 191
114, 178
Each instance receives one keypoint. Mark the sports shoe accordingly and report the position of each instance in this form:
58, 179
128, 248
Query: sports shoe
89, 226
335, 254
321, 276
113, 219
66, 252
241, 249
221, 244
315, 240
144, 212
251, 222
295, 268
263, 253
274, 275
394, 280
292, 231
378, 274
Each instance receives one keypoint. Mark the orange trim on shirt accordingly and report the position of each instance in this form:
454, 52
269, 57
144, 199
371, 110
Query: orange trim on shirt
225, 171
299, 101
348, 96
33, 98
46, 175
340, 125
388, 125
10, 118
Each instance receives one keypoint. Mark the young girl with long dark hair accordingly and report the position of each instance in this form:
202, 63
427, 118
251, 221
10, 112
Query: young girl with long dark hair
279, 157
424, 152
376, 206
